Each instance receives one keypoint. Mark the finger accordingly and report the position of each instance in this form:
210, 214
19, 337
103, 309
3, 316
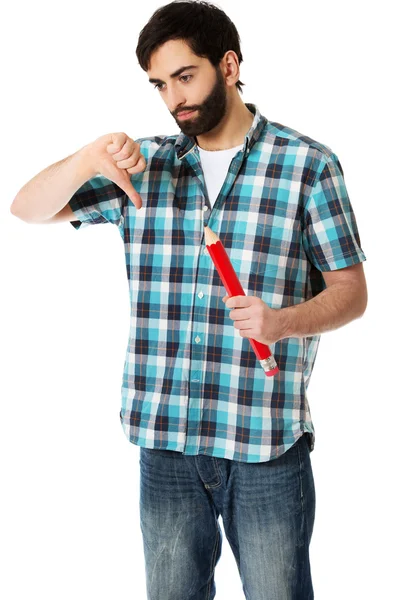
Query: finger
130, 150
134, 165
244, 326
117, 141
240, 315
248, 333
240, 301
128, 163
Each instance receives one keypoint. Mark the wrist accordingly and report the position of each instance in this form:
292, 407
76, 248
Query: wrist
288, 322
85, 162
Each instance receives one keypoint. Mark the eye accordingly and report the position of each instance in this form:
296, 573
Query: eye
186, 79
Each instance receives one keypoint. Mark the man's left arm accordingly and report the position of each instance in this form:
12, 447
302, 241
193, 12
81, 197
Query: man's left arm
344, 300
330, 239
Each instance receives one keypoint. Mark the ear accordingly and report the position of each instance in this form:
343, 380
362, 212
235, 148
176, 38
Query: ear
229, 66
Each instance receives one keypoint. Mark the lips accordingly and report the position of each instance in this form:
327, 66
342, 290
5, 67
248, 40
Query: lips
185, 113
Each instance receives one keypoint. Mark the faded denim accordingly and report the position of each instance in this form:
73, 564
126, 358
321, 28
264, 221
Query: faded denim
267, 510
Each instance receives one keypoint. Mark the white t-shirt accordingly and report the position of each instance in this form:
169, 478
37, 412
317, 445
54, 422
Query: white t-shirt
215, 164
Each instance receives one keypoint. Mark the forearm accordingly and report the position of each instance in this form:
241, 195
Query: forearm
51, 189
332, 308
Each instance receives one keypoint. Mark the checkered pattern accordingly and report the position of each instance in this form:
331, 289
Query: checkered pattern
191, 383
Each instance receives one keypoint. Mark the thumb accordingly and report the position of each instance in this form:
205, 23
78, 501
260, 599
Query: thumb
123, 180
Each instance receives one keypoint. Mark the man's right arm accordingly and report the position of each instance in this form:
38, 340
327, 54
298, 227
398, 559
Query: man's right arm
44, 199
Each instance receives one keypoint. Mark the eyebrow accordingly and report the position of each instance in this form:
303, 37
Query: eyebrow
175, 74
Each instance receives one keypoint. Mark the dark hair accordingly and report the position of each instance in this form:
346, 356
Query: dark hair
207, 30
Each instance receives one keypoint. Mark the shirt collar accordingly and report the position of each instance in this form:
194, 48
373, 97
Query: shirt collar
185, 143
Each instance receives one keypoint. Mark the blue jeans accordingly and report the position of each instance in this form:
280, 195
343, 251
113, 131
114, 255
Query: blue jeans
267, 510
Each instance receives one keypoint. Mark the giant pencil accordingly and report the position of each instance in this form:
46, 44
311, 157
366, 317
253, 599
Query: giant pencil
234, 288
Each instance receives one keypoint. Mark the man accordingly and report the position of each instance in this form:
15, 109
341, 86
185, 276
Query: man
216, 436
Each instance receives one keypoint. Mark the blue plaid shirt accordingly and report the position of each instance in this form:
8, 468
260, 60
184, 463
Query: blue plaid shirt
191, 383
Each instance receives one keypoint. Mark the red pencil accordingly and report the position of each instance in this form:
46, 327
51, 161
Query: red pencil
234, 288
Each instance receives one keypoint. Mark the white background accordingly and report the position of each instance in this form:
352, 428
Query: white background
69, 514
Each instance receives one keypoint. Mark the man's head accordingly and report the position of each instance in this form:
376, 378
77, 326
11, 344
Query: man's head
197, 35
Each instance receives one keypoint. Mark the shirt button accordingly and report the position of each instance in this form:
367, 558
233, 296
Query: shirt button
205, 251
200, 294
205, 208
197, 339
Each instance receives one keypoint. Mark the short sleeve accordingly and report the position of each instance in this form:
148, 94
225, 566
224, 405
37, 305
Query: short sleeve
330, 234
98, 200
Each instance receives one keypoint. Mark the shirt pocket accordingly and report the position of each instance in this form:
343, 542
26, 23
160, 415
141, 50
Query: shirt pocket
246, 266
259, 278
253, 250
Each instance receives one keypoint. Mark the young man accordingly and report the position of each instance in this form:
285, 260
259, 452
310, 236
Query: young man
216, 436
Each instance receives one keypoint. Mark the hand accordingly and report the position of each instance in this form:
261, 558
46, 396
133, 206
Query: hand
115, 155
255, 319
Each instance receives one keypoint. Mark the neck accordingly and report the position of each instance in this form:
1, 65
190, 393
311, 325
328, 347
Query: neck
232, 128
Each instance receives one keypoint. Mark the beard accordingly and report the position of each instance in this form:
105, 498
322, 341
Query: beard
209, 113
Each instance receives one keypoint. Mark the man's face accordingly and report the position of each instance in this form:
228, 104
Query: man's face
200, 89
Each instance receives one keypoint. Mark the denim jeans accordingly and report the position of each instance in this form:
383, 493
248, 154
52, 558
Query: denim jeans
267, 509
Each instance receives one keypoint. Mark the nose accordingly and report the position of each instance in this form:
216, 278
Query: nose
176, 99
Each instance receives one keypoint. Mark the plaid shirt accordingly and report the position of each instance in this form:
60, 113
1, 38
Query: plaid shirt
191, 383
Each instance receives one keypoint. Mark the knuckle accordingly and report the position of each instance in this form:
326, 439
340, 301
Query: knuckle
118, 138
